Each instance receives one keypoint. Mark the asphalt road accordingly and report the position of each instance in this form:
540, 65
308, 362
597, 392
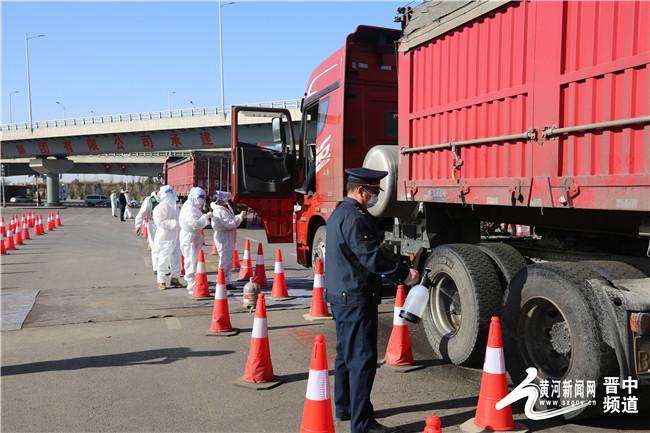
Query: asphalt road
102, 349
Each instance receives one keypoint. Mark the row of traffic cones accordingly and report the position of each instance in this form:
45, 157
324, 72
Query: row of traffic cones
18, 230
317, 413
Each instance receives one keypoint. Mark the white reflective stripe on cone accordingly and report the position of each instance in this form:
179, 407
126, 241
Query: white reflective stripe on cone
278, 268
259, 260
247, 254
200, 268
259, 328
494, 362
318, 280
396, 319
318, 387
220, 292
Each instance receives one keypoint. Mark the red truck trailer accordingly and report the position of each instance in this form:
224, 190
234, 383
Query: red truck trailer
209, 170
532, 113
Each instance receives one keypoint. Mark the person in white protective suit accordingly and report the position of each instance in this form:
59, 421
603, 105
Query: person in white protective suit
127, 212
167, 251
115, 204
146, 210
225, 223
192, 220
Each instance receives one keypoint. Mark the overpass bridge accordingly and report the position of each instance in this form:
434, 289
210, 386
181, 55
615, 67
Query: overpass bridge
131, 164
50, 143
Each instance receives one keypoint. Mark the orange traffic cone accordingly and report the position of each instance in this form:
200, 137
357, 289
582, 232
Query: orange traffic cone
10, 244
3, 248
214, 249
432, 425
279, 289
220, 314
399, 356
41, 229
18, 236
235, 260
50, 226
260, 271
32, 218
25, 232
57, 221
246, 271
520, 231
182, 266
317, 412
258, 373
3, 229
145, 227
318, 309
201, 290
494, 387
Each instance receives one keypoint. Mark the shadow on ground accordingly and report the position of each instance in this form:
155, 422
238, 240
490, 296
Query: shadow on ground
158, 356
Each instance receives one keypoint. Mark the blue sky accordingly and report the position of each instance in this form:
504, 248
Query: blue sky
123, 57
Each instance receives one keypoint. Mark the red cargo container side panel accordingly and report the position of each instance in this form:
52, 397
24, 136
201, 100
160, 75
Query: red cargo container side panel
529, 67
212, 173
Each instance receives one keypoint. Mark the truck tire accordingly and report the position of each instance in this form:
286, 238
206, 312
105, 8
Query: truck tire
318, 246
611, 270
464, 294
507, 260
548, 324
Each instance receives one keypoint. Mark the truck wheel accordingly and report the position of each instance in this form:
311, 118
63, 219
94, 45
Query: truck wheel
614, 270
506, 259
464, 294
318, 246
548, 324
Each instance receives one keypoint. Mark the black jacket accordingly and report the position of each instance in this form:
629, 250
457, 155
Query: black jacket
122, 199
354, 258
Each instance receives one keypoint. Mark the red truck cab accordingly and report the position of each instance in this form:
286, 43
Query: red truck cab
349, 106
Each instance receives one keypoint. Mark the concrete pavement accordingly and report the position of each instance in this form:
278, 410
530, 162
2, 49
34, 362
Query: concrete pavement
103, 350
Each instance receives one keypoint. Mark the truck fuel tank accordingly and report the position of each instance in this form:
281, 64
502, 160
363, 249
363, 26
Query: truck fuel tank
385, 157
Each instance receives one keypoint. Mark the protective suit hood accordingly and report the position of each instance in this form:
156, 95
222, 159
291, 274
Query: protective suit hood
166, 193
197, 197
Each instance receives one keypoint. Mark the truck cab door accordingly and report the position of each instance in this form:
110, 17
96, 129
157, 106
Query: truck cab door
264, 166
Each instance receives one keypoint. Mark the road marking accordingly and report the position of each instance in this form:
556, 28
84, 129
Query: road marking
172, 323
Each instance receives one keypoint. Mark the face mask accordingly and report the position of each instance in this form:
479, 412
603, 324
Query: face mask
373, 201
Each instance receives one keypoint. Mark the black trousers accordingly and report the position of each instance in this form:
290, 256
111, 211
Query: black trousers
122, 210
356, 363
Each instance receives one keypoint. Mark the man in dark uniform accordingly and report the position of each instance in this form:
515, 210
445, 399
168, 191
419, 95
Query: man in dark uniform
355, 262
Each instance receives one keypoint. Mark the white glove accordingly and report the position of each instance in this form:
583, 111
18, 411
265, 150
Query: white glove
242, 214
213, 205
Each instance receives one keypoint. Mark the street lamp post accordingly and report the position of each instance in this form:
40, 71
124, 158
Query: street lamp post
29, 84
221, 53
169, 99
11, 116
62, 106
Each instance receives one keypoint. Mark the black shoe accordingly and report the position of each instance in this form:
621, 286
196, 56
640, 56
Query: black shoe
375, 427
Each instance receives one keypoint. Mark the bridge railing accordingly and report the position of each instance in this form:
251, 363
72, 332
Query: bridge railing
149, 115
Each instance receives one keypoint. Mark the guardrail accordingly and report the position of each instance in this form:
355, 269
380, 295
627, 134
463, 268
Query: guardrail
150, 115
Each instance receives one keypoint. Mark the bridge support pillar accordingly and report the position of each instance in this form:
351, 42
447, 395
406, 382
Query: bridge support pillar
51, 167
53, 189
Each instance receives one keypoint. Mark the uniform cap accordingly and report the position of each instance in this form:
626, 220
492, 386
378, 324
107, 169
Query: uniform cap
365, 176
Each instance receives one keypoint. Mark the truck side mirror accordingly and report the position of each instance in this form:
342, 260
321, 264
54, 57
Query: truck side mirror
278, 130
